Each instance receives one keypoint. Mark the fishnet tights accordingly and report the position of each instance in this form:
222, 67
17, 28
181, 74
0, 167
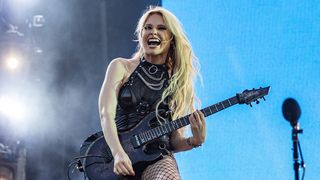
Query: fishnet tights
164, 169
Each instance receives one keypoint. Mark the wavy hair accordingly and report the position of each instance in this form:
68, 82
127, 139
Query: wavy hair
181, 61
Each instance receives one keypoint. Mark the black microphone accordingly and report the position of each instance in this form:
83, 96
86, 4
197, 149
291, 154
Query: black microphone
291, 111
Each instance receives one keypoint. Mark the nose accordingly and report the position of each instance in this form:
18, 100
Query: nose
154, 31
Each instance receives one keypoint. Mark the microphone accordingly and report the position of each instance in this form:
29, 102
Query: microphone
291, 111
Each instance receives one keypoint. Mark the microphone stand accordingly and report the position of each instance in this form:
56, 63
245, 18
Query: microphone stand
296, 147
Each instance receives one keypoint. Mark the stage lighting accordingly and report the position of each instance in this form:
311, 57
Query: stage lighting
12, 107
13, 62
6, 173
38, 21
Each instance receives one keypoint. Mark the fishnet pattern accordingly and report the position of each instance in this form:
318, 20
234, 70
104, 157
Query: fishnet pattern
164, 169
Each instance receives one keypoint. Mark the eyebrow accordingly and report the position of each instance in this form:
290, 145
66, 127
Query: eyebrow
157, 25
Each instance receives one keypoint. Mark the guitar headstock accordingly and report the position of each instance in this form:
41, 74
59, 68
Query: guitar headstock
249, 96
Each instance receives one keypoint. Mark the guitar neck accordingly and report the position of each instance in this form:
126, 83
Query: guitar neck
184, 121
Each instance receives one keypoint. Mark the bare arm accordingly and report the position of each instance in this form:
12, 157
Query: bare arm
114, 78
198, 128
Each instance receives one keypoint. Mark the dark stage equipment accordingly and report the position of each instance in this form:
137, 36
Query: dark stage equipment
291, 112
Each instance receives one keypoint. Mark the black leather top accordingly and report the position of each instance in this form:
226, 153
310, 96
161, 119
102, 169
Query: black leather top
136, 99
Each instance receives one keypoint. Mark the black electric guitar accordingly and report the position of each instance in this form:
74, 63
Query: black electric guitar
98, 162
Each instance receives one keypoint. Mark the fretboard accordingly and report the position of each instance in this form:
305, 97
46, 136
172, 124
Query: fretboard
171, 126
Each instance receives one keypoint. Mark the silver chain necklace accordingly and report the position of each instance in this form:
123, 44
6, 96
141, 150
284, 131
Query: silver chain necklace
153, 86
150, 76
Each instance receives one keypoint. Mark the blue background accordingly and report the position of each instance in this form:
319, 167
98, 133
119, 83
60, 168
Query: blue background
247, 44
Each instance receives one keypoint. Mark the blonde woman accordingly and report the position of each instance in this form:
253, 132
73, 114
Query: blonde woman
158, 77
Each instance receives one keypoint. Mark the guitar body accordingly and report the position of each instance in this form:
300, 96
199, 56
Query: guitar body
100, 167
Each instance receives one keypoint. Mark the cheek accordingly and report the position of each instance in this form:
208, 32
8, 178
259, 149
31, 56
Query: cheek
143, 40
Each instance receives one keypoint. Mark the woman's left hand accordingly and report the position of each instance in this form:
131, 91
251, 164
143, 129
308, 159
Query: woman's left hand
198, 127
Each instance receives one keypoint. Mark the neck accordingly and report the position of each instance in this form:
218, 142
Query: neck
156, 59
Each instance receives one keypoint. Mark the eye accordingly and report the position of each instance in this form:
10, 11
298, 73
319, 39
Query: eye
147, 27
162, 28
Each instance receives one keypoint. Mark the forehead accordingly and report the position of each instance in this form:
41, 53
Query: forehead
155, 19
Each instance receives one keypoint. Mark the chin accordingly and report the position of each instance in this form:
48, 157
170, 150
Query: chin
152, 52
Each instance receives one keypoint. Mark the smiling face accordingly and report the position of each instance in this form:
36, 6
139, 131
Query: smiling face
155, 36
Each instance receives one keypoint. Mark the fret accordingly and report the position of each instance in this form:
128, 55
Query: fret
204, 112
210, 110
162, 130
216, 107
222, 105
158, 131
229, 102
152, 133
169, 127
185, 121
172, 123
182, 122
166, 130
179, 122
175, 125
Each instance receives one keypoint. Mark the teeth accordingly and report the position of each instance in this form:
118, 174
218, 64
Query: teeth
154, 41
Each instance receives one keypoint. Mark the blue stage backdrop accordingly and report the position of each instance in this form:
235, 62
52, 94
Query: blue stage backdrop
248, 44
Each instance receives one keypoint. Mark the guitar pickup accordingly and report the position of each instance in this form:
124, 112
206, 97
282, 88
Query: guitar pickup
135, 141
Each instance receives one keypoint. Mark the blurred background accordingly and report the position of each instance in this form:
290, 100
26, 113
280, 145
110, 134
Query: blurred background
53, 60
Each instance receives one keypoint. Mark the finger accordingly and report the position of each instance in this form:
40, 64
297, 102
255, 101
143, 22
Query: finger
115, 171
194, 115
203, 120
191, 119
201, 116
128, 166
124, 170
194, 125
198, 119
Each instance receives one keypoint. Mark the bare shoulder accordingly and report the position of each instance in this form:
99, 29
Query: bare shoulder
122, 67
124, 64
118, 63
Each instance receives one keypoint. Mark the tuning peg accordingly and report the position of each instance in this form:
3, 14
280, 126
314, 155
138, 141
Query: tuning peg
257, 101
264, 98
250, 104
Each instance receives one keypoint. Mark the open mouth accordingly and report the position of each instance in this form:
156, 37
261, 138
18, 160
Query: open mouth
154, 42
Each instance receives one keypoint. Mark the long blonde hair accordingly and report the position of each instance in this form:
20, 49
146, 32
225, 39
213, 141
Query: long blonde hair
181, 58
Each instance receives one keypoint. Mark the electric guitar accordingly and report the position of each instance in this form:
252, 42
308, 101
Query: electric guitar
97, 161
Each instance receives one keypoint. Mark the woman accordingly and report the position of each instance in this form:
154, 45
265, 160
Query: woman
158, 77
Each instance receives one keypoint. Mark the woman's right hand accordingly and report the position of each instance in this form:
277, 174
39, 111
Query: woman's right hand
122, 164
